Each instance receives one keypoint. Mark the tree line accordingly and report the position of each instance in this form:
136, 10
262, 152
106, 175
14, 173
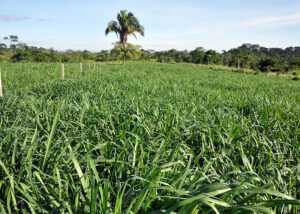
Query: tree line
246, 56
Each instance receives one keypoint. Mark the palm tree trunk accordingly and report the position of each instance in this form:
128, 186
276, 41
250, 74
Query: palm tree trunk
124, 45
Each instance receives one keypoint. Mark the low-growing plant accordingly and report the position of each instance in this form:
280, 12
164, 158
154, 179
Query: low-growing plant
147, 138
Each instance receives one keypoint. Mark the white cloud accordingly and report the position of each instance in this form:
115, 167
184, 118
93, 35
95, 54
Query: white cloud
43, 19
273, 20
12, 18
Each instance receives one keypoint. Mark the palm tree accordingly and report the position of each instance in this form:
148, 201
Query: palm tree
126, 24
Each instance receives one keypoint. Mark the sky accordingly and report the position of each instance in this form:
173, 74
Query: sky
183, 25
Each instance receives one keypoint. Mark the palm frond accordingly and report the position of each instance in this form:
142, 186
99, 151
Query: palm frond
122, 17
133, 34
113, 26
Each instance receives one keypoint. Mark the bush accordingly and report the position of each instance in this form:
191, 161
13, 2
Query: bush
270, 65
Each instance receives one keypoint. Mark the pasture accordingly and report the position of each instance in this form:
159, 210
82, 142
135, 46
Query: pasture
147, 138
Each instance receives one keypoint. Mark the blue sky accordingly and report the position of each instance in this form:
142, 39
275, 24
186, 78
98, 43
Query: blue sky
185, 24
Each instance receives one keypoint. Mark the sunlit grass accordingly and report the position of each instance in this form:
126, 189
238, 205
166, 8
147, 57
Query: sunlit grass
147, 138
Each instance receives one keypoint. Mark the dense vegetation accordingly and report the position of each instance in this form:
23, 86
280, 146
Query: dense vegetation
247, 56
147, 138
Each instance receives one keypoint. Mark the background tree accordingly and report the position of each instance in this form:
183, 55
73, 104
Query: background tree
211, 57
13, 41
197, 55
126, 24
267, 65
128, 51
5, 38
103, 56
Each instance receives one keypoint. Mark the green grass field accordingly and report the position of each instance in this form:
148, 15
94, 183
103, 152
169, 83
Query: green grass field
148, 138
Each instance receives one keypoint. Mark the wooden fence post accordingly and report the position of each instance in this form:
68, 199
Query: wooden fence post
62, 71
80, 67
1, 94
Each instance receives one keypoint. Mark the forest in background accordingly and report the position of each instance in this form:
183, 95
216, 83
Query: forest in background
246, 56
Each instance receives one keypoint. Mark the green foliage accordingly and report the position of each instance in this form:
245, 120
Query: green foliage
246, 56
198, 55
268, 65
129, 51
103, 56
147, 138
295, 62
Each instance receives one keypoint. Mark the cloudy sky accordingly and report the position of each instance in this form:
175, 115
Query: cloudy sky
185, 24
